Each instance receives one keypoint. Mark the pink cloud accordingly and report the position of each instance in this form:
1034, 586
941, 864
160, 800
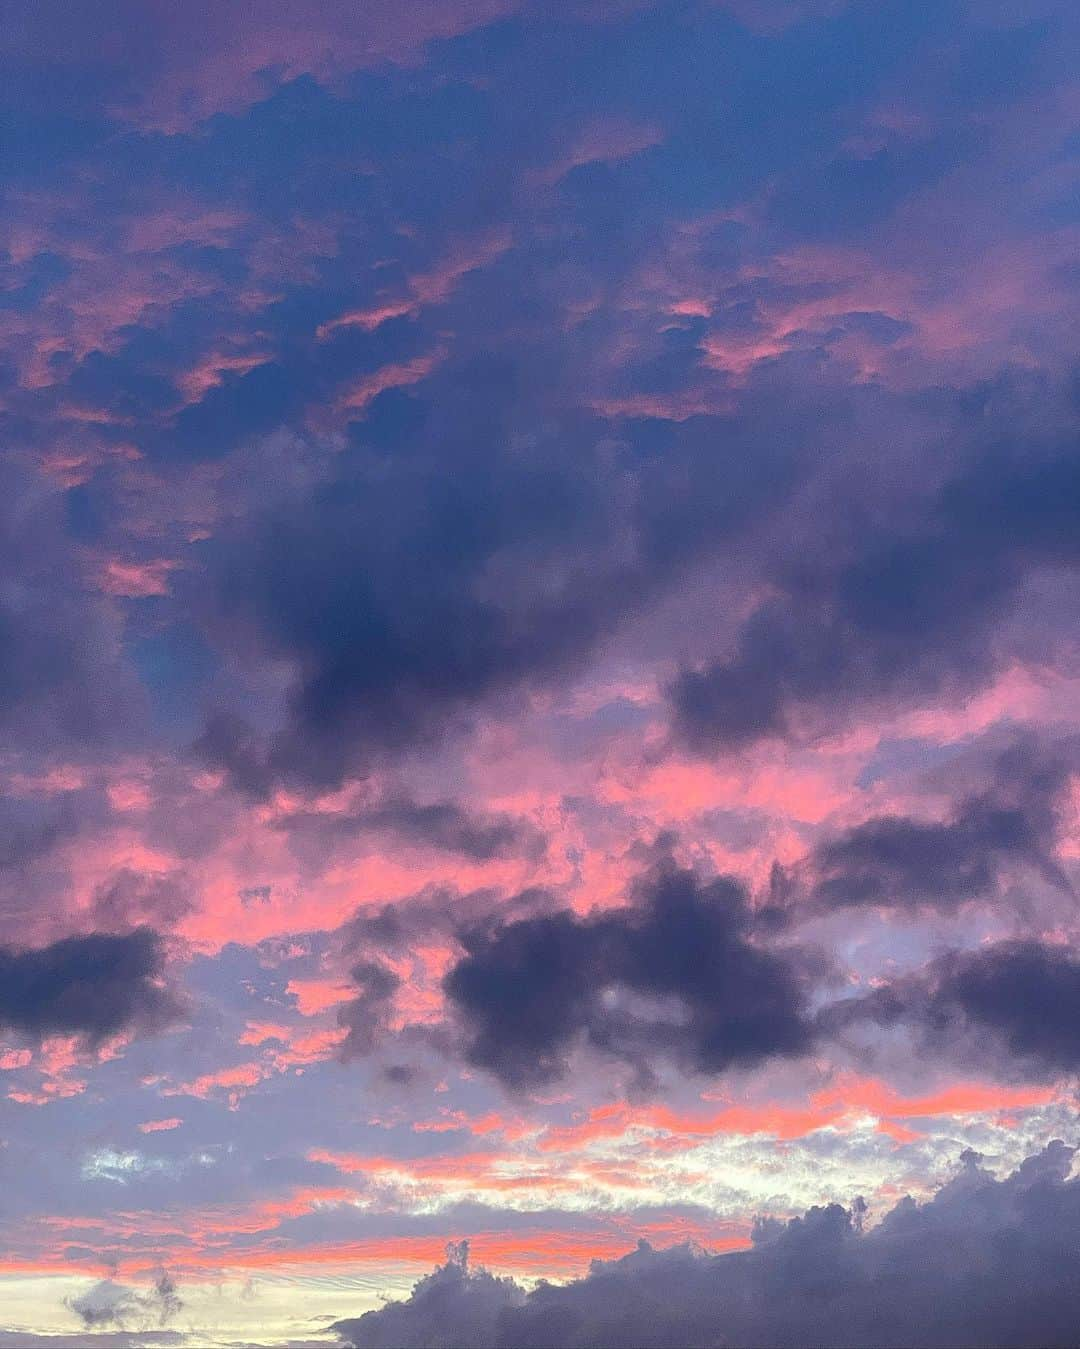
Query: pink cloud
216, 63
426, 288
605, 141
397, 375
136, 580
233, 1082
318, 995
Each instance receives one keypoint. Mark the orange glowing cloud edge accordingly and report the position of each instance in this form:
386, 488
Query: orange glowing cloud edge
840, 1106
538, 1251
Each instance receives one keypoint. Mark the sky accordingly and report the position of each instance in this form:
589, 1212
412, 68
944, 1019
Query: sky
539, 724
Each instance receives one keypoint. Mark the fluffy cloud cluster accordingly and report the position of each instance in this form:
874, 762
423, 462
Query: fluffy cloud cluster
675, 975
90, 986
986, 1261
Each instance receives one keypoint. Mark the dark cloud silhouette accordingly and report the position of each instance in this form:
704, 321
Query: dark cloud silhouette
897, 861
676, 975
1011, 1006
91, 986
907, 609
397, 643
988, 1262
515, 567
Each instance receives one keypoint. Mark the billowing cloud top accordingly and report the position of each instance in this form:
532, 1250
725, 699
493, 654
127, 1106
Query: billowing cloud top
538, 594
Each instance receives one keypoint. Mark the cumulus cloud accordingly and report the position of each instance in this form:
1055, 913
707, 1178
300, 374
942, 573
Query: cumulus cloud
986, 1261
909, 609
1012, 1006
894, 860
675, 975
91, 986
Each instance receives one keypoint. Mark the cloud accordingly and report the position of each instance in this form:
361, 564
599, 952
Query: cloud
128, 898
674, 976
113, 1304
517, 567
31, 829
445, 825
172, 70
365, 1017
92, 986
438, 912
63, 677
1012, 1006
893, 860
911, 608
395, 645
986, 1261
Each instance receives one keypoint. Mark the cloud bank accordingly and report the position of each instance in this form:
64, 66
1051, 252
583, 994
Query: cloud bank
986, 1261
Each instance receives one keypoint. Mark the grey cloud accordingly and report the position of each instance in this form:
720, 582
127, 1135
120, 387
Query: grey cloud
93, 986
445, 825
113, 1304
880, 611
1012, 1006
897, 861
676, 975
988, 1262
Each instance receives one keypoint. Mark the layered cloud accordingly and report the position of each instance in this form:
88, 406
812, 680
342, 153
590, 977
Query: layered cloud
538, 604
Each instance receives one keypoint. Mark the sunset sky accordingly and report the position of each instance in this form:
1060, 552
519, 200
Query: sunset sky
539, 555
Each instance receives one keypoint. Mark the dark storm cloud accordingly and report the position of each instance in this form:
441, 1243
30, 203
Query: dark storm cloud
91, 986
381, 586
408, 599
1013, 1007
897, 861
912, 609
985, 1262
673, 976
